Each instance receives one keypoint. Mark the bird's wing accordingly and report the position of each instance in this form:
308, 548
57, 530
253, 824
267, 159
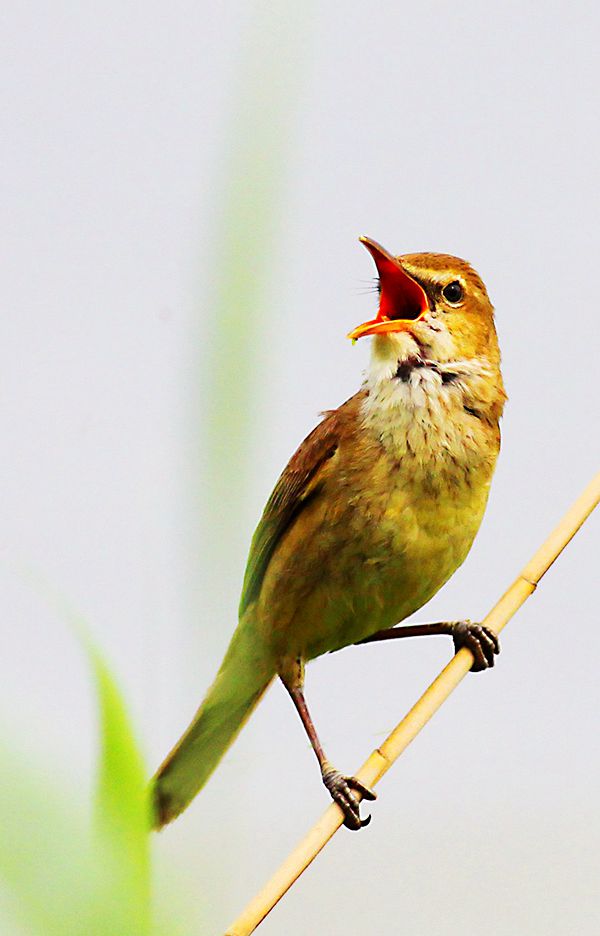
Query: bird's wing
302, 477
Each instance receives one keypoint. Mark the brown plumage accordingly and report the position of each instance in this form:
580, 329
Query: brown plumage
373, 513
303, 476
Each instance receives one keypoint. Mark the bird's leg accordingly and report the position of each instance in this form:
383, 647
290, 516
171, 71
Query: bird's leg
481, 641
342, 789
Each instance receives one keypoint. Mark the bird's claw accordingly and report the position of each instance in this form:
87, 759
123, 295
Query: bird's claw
481, 641
342, 791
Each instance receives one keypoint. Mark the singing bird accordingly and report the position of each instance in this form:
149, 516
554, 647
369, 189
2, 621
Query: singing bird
372, 515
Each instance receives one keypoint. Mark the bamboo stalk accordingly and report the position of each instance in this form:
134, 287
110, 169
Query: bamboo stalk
383, 757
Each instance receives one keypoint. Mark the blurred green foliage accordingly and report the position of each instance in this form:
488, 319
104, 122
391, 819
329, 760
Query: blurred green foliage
243, 264
64, 871
122, 808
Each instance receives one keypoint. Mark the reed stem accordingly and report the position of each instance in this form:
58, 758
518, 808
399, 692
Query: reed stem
383, 757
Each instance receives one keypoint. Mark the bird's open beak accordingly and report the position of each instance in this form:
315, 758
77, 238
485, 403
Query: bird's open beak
402, 301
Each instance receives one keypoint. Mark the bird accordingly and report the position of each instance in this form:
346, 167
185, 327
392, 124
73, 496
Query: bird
374, 512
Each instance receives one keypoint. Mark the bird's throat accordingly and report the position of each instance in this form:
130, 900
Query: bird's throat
431, 412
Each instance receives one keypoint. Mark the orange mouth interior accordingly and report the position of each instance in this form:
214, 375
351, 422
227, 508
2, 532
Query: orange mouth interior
402, 300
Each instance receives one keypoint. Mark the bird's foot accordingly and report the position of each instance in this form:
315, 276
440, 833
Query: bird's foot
342, 791
481, 641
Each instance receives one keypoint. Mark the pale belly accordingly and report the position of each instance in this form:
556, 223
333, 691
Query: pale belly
349, 573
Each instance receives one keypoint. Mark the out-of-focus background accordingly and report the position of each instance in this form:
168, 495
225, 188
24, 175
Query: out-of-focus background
184, 185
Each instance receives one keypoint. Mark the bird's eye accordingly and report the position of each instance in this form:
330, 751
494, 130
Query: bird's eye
453, 292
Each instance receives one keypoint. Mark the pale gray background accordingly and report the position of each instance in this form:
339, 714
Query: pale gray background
469, 128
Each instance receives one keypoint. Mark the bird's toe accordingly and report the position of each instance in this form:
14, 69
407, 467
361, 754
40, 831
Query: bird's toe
343, 791
480, 640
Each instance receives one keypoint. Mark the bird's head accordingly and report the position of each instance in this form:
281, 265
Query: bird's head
431, 306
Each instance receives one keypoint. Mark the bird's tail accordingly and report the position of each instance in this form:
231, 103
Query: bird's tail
243, 678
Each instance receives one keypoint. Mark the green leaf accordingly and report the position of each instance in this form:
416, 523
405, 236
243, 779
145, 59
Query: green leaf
122, 810
62, 874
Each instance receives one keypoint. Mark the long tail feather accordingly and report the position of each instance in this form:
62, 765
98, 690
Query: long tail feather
240, 683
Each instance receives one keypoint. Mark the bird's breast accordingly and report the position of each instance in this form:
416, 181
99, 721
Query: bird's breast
435, 420
396, 517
